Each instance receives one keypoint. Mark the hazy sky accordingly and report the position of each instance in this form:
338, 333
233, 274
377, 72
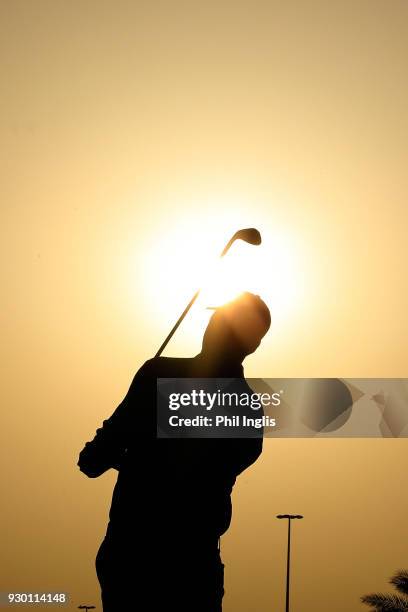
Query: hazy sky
136, 138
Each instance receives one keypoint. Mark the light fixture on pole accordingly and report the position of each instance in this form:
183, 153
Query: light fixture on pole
290, 518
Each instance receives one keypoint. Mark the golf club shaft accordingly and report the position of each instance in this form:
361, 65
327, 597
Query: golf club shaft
187, 308
175, 326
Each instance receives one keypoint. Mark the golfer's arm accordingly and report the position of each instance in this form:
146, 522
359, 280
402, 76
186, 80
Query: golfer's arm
221, 460
109, 445
243, 452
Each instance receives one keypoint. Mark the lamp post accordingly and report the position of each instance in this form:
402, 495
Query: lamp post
290, 518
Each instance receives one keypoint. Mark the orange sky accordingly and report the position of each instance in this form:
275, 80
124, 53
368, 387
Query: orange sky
125, 124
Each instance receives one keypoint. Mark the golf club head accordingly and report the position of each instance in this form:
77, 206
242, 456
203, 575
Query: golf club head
249, 234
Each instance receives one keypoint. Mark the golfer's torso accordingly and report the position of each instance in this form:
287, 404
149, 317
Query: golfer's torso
170, 484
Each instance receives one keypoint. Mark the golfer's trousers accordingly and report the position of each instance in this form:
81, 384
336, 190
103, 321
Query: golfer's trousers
183, 578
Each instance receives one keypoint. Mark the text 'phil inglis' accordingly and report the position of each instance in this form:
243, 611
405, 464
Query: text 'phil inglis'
224, 421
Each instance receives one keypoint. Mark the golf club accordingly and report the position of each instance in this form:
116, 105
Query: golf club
249, 235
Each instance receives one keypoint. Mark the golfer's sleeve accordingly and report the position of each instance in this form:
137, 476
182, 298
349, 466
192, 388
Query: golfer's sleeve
109, 445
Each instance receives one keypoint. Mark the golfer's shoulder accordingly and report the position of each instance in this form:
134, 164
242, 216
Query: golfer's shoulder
166, 367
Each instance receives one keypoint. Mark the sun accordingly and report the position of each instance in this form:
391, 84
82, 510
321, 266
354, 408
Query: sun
185, 257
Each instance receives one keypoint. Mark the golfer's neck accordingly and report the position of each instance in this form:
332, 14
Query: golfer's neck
221, 361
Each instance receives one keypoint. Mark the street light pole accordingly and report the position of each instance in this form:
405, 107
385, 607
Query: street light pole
290, 517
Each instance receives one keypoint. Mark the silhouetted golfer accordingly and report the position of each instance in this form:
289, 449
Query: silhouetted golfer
171, 502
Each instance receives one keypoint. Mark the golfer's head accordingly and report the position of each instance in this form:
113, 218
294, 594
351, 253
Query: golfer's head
238, 326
